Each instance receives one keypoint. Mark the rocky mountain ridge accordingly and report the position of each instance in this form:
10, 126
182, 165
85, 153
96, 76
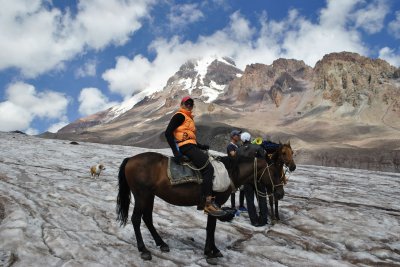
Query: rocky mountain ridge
347, 102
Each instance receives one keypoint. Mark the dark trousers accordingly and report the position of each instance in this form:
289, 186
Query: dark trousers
241, 199
249, 190
199, 159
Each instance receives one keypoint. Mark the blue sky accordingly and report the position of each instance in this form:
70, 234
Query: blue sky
60, 62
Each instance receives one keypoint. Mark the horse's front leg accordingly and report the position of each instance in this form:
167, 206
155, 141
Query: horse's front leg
210, 250
271, 205
276, 210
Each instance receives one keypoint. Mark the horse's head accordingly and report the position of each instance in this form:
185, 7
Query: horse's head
285, 154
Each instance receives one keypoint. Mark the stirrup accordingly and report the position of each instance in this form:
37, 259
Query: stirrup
216, 213
219, 213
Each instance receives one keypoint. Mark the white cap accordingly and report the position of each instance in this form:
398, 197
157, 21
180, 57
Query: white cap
245, 136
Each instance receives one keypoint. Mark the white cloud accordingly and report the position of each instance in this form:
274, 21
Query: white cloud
58, 125
101, 22
337, 13
47, 36
310, 42
88, 69
31, 131
24, 104
394, 26
14, 117
130, 76
92, 100
48, 104
182, 15
240, 27
390, 56
371, 18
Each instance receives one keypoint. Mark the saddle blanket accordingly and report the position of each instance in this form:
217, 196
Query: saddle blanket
186, 173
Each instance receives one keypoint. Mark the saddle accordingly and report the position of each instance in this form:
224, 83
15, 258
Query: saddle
181, 174
187, 173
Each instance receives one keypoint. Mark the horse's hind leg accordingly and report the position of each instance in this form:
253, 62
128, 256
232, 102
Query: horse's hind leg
136, 220
148, 220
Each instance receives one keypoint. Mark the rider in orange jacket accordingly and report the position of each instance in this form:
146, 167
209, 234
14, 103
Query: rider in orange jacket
181, 136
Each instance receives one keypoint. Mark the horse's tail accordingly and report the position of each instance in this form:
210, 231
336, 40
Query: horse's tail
124, 195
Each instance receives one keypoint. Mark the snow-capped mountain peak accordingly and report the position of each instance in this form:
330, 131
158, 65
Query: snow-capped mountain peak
204, 78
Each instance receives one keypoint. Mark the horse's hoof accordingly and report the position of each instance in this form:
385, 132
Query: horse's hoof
146, 255
212, 261
274, 221
164, 248
217, 254
213, 254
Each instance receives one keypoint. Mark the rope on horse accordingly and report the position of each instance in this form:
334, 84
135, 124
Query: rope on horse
197, 169
261, 194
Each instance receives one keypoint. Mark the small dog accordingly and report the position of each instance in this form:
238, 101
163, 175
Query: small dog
95, 170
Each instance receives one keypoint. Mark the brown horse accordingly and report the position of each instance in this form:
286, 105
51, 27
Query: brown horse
283, 157
145, 175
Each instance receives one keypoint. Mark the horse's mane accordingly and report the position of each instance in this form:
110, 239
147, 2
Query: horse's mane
232, 162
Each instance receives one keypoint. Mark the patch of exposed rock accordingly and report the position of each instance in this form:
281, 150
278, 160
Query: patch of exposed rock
83, 123
268, 83
350, 78
221, 73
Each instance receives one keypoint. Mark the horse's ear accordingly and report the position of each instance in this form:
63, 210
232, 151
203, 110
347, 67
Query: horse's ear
288, 142
280, 143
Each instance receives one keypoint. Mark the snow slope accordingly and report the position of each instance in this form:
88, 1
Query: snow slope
53, 214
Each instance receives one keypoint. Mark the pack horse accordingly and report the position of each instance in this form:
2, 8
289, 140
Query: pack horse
145, 175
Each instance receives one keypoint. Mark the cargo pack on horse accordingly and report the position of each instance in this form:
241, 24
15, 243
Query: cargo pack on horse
145, 175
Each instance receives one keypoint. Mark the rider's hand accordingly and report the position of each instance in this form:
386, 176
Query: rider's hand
185, 158
179, 158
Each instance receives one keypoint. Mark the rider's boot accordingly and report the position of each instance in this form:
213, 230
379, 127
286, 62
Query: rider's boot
212, 209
